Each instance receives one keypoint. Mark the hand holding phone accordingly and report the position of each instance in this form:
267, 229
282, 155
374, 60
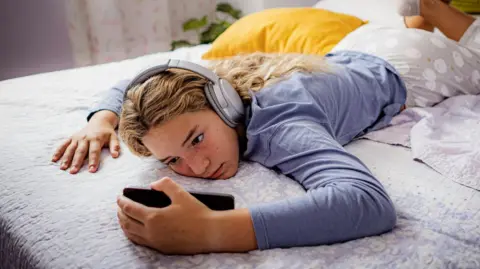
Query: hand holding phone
153, 198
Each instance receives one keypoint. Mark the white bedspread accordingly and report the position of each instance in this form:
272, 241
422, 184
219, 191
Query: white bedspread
51, 219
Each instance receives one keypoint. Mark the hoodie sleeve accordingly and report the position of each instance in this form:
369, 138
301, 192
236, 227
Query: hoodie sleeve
344, 201
111, 100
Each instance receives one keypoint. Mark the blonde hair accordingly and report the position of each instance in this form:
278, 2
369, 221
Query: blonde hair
175, 92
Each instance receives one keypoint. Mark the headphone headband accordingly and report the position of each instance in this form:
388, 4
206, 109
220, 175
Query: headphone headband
220, 94
172, 63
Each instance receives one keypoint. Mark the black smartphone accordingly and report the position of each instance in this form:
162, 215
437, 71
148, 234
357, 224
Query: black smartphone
153, 198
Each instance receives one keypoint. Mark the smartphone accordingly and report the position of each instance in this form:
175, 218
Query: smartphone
153, 198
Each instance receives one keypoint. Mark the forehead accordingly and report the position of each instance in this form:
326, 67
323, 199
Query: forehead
170, 129
167, 138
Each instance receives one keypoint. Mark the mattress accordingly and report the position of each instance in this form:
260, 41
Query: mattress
51, 219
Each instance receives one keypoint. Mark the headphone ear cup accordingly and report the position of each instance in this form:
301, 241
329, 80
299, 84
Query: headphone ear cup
236, 108
216, 104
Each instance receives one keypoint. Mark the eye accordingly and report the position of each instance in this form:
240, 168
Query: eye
197, 139
173, 161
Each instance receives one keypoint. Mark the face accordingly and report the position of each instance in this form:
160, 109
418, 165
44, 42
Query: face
197, 144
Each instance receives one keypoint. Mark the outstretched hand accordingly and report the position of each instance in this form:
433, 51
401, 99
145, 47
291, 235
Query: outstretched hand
88, 143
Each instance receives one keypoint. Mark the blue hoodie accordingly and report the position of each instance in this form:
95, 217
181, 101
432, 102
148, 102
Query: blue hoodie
298, 126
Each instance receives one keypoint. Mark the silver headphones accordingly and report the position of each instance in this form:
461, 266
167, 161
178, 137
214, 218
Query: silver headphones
220, 94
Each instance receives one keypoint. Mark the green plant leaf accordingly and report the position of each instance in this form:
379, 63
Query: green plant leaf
228, 9
179, 44
213, 31
195, 24
225, 24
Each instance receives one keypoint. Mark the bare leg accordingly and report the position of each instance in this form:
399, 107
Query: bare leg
450, 21
418, 22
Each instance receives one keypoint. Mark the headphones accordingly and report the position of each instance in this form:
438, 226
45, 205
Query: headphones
220, 94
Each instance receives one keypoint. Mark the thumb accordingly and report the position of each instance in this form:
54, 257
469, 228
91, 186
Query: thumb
173, 190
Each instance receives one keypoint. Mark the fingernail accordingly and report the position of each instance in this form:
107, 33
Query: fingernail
91, 168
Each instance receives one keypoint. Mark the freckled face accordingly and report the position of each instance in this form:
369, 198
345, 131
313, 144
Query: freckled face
196, 144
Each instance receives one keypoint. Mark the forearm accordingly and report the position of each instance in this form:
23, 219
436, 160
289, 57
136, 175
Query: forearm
232, 231
323, 216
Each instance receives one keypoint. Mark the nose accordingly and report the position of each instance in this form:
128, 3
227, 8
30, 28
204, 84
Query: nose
198, 163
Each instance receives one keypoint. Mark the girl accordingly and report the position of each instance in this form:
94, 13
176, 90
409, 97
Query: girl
299, 112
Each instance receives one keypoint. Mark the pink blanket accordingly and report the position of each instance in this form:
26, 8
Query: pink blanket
445, 137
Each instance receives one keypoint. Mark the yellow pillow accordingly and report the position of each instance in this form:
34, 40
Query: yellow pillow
470, 6
284, 30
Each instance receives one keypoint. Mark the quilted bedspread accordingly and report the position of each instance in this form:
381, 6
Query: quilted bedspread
51, 219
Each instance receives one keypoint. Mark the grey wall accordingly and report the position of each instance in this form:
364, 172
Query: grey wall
33, 37
250, 6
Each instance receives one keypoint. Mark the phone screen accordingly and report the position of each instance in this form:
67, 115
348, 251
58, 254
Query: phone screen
153, 198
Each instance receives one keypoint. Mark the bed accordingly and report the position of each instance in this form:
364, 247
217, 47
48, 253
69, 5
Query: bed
51, 219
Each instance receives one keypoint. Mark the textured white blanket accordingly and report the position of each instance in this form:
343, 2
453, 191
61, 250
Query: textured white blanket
51, 219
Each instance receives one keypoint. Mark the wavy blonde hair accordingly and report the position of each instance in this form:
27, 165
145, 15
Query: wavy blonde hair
175, 91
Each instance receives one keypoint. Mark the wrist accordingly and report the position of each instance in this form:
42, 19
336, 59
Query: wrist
105, 116
231, 231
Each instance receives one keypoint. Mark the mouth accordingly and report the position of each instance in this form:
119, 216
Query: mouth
217, 172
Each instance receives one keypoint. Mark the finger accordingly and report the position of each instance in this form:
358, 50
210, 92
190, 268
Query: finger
173, 190
79, 156
133, 209
114, 146
68, 155
130, 225
94, 155
60, 150
135, 238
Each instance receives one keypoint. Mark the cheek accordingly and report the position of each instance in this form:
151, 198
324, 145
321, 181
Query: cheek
225, 144
183, 169
210, 147
232, 143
